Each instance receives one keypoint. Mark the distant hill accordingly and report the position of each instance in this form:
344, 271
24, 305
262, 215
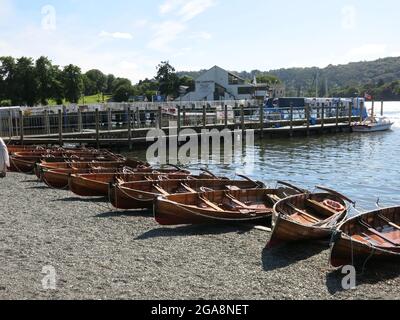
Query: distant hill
302, 81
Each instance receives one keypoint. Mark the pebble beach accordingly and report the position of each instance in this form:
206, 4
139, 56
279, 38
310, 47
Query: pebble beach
102, 253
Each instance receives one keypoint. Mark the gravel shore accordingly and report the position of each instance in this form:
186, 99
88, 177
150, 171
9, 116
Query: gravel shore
101, 253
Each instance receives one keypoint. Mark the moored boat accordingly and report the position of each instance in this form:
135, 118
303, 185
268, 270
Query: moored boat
373, 235
307, 216
141, 195
249, 205
373, 124
97, 184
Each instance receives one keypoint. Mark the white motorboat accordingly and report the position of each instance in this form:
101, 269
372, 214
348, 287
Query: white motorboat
373, 124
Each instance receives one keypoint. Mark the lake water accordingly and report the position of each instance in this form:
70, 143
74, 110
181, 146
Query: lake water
362, 166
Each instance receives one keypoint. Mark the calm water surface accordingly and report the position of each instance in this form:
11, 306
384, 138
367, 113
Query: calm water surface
363, 166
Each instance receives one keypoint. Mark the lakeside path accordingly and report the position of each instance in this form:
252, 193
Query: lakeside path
100, 253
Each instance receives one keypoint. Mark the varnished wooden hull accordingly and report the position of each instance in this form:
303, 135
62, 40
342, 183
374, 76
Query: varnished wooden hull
97, 185
22, 166
55, 179
140, 195
350, 248
181, 209
286, 229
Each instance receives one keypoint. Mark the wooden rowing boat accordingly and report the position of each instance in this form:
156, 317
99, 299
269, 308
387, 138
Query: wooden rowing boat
97, 184
86, 167
307, 216
141, 195
249, 205
373, 235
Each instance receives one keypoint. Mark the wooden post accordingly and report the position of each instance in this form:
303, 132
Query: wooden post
262, 121
10, 124
129, 129
160, 123
291, 119
21, 126
109, 119
242, 119
308, 116
350, 113
80, 126
184, 116
337, 115
60, 128
323, 116
97, 129
361, 104
179, 119
226, 116
204, 116
373, 108
46, 122
382, 108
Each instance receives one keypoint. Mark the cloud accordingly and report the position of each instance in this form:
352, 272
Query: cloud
193, 8
201, 35
166, 33
116, 35
186, 10
370, 51
169, 5
349, 17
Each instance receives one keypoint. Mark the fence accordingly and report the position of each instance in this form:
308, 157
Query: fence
128, 118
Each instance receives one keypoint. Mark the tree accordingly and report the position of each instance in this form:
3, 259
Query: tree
268, 79
110, 81
26, 84
73, 83
97, 81
168, 79
46, 78
7, 75
123, 92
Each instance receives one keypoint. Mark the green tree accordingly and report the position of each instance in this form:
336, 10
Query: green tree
110, 81
123, 92
97, 81
168, 79
268, 79
46, 78
7, 75
26, 84
73, 83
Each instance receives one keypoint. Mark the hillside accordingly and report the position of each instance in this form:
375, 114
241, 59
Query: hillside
355, 75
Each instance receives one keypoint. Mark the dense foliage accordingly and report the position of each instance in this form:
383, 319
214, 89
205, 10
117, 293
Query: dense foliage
24, 81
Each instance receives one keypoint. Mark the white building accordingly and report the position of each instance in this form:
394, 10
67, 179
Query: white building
219, 84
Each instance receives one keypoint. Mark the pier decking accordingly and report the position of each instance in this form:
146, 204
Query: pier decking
105, 127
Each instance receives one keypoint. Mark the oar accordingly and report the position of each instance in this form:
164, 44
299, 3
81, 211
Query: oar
303, 212
334, 192
209, 172
291, 186
257, 183
187, 188
377, 233
210, 204
392, 224
160, 190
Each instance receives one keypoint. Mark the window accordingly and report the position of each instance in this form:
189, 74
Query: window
234, 80
246, 90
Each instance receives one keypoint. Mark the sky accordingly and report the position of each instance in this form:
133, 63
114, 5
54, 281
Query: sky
129, 38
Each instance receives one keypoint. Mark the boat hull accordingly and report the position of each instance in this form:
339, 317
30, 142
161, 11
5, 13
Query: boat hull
289, 231
168, 213
348, 252
377, 128
287, 228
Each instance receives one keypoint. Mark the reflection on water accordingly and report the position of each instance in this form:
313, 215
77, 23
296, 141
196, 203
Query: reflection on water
363, 166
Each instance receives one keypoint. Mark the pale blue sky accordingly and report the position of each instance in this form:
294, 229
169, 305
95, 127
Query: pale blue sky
129, 38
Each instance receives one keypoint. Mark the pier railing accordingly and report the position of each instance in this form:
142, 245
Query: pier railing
133, 121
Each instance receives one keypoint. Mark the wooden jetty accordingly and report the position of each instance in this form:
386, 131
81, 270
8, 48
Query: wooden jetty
130, 126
